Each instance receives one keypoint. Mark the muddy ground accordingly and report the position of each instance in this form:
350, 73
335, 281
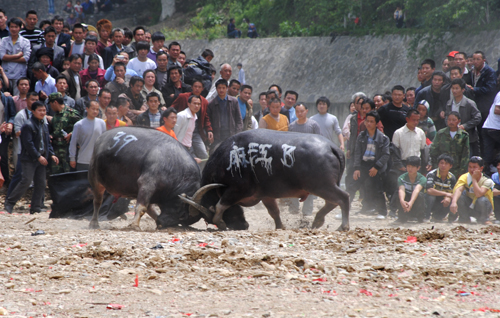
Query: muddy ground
375, 270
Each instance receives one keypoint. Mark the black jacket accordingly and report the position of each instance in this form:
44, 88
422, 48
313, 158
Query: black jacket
170, 89
382, 153
143, 119
30, 141
64, 39
111, 51
485, 89
72, 85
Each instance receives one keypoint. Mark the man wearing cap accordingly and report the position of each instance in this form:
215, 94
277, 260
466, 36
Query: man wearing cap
451, 58
61, 127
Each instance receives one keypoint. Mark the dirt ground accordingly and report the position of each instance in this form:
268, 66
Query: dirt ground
374, 270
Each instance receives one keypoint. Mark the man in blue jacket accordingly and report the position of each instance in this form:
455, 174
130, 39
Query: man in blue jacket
35, 155
484, 84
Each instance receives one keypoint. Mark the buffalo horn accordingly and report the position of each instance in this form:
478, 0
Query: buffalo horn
197, 199
196, 207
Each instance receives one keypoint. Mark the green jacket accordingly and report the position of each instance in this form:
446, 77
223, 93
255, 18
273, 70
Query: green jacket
63, 120
457, 148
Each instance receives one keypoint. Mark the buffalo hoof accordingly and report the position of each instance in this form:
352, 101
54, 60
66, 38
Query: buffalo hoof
222, 226
343, 228
318, 222
94, 225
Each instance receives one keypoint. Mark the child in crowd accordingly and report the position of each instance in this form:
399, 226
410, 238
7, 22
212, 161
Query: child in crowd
440, 184
65, 64
409, 200
68, 8
426, 123
78, 10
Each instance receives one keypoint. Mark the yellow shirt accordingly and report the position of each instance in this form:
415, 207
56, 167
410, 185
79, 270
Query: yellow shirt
118, 123
281, 125
466, 181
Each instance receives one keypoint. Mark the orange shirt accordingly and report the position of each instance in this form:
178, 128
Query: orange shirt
118, 123
171, 133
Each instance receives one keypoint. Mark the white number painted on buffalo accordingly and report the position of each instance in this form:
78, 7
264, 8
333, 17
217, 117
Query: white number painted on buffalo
237, 159
288, 155
126, 140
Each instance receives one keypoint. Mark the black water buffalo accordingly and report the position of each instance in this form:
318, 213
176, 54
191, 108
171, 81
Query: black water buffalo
153, 167
265, 165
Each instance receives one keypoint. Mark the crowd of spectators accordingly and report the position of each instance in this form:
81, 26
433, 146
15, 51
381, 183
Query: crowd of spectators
416, 154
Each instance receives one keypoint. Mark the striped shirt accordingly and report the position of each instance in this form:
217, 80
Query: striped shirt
435, 181
34, 36
154, 120
370, 150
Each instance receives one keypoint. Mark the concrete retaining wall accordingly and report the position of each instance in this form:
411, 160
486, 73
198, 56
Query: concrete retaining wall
318, 66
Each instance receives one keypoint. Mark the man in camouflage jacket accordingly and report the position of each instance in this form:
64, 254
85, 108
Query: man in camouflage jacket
457, 147
61, 128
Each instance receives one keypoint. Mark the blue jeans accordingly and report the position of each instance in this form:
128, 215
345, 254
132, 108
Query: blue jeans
51, 7
234, 34
491, 141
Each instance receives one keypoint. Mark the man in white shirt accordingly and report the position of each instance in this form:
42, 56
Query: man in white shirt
410, 139
186, 124
141, 63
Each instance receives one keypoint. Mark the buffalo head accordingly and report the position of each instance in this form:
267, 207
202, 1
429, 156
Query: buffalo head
203, 202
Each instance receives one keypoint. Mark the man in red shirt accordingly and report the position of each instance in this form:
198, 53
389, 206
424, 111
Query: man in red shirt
203, 133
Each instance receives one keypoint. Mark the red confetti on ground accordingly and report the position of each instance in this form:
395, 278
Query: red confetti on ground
46, 303
136, 281
393, 295
186, 313
30, 290
364, 291
203, 244
424, 254
461, 291
411, 239
485, 309
330, 292
319, 280
175, 239
79, 245
2, 212
114, 306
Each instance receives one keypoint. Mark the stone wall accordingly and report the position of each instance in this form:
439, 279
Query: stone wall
318, 66
16, 8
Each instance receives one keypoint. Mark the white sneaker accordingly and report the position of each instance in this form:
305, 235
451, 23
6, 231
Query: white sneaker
338, 216
380, 217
